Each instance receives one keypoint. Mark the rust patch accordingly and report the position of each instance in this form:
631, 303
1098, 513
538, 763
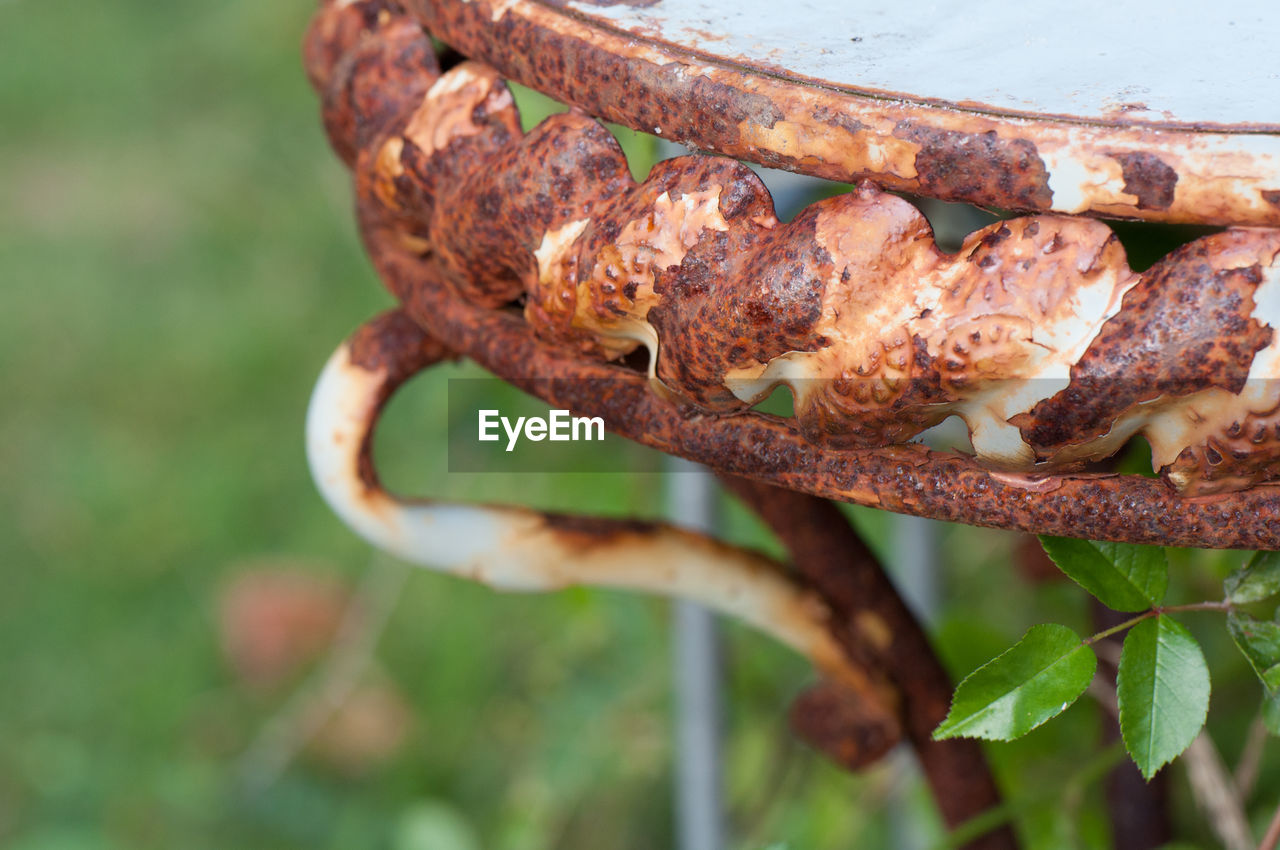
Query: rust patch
769, 115
370, 84
602, 85
489, 225
585, 532
639, 238
852, 732
1186, 327
838, 118
335, 29
1242, 453
393, 342
969, 166
1149, 178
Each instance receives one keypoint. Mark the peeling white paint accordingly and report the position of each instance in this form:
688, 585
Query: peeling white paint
555, 244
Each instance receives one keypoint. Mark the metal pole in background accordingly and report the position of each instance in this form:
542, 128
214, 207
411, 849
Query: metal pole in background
914, 562
699, 783
696, 658
691, 494
691, 498
916, 556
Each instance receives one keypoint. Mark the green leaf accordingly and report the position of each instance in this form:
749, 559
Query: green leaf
1271, 714
1034, 680
1163, 691
1259, 579
1259, 641
1123, 576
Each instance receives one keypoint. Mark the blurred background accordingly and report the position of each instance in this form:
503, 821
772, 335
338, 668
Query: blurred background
195, 653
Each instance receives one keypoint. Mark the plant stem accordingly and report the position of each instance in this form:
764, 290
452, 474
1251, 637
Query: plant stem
1221, 605
1272, 838
1119, 627
1246, 772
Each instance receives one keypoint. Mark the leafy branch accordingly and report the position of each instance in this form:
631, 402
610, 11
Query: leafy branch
1223, 605
1162, 684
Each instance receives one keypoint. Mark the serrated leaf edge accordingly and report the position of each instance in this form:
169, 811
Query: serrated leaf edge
942, 733
1232, 584
1148, 602
1120, 702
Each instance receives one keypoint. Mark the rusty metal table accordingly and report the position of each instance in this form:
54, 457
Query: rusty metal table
670, 307
959, 101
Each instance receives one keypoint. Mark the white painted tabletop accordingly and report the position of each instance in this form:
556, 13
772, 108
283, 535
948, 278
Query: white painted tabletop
1182, 63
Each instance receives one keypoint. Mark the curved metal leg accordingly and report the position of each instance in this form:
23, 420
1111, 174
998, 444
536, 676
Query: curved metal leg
519, 549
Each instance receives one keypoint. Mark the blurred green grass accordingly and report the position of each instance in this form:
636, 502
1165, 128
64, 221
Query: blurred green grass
178, 260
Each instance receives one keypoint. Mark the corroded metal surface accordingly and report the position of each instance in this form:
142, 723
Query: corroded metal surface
649, 70
833, 559
1036, 333
517, 549
881, 680
907, 479
1189, 69
539, 257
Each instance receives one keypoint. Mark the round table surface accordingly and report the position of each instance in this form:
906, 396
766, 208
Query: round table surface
1186, 65
1163, 111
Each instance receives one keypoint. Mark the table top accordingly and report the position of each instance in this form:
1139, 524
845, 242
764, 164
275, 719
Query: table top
1097, 61
1161, 111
